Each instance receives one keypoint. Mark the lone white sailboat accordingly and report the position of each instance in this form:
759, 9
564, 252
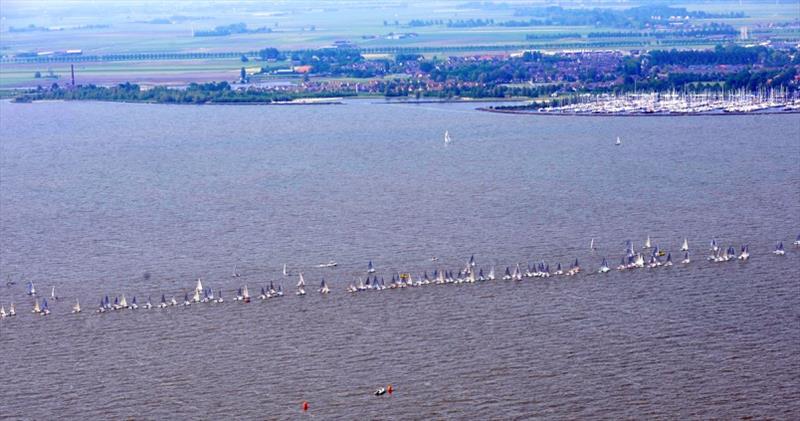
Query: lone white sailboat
647, 244
53, 293
447, 139
199, 287
685, 245
77, 307
285, 273
36, 308
31, 289
245, 294
618, 142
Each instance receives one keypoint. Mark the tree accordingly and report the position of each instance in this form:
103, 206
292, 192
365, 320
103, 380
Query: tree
243, 73
37, 75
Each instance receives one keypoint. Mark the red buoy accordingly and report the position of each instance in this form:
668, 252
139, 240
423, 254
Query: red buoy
389, 389
305, 406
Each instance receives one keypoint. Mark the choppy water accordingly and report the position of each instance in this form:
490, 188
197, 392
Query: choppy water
93, 196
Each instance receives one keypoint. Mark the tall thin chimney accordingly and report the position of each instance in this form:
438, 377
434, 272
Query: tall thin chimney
72, 71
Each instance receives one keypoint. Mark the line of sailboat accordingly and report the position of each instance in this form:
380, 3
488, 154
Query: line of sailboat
471, 273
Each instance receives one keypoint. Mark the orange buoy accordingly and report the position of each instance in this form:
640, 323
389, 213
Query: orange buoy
305, 406
389, 389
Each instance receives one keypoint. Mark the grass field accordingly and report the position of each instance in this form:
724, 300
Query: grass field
359, 22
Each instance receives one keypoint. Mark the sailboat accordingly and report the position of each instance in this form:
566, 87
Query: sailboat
2, 312
45, 308
219, 296
186, 301
370, 268
285, 273
323, 287
245, 294
604, 267
507, 276
618, 142
77, 307
797, 241
591, 245
53, 293
301, 284
685, 245
235, 273
148, 305
36, 308
517, 273
163, 302
647, 244
196, 296
714, 246
12, 310
447, 139
686, 259
669, 260
472, 261
199, 287
31, 289
779, 251
491, 276
745, 253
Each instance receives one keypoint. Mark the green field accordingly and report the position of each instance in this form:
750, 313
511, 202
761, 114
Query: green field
358, 22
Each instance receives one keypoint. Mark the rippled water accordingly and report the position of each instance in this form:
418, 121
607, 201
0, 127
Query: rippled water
100, 198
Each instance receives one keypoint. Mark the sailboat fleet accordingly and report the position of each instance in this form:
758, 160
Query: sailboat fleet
650, 256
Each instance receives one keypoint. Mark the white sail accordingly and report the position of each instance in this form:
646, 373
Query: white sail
123, 303
447, 139
618, 142
199, 286
685, 246
77, 307
302, 282
285, 273
196, 297
245, 292
36, 308
53, 293
647, 244
491, 274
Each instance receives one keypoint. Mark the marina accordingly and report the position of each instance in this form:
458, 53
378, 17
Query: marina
666, 104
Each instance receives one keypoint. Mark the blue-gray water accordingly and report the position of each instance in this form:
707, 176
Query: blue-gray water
93, 196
